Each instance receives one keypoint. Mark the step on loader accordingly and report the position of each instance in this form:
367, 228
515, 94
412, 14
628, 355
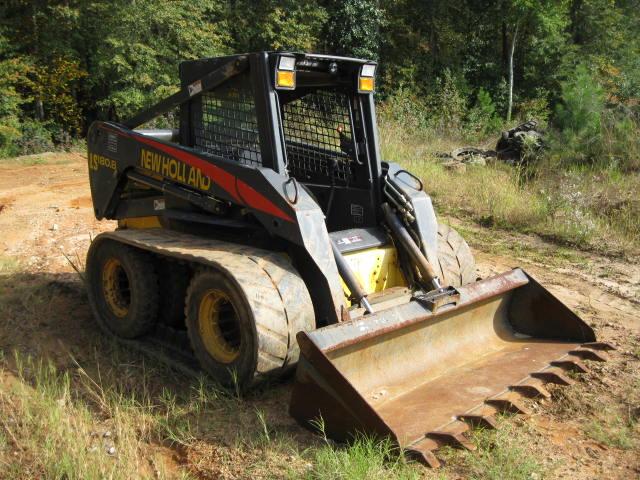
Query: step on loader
265, 232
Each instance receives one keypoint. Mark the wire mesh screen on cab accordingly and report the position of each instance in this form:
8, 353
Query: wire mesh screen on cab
224, 123
318, 137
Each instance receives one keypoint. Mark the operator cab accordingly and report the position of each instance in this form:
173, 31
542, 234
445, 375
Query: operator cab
317, 125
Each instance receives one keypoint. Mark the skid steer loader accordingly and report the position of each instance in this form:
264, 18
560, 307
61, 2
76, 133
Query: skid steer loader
268, 232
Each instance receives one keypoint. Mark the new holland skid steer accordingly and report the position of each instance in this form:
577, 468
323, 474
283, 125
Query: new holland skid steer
268, 232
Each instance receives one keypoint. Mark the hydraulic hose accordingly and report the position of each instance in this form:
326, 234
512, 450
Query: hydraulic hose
404, 237
350, 279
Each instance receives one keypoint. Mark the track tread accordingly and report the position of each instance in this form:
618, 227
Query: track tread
142, 277
265, 277
457, 265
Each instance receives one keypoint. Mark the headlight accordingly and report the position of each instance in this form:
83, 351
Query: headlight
366, 79
286, 73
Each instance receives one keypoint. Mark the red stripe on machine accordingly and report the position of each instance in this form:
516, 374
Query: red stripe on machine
227, 181
220, 176
260, 202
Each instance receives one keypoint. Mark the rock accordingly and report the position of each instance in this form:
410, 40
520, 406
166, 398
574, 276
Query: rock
54, 227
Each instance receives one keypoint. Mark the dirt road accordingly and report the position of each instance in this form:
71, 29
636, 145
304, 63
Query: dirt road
590, 430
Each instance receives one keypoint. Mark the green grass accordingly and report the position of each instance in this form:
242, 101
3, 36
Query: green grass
613, 431
501, 454
362, 459
8, 265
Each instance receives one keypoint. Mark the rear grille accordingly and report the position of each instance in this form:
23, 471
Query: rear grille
224, 123
318, 137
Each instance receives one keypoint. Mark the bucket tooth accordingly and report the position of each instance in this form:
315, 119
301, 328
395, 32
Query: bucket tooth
603, 346
531, 388
456, 440
553, 375
588, 354
423, 452
479, 421
571, 364
453, 435
508, 403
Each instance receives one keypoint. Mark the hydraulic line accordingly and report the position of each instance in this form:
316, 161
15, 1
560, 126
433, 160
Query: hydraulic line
404, 237
350, 279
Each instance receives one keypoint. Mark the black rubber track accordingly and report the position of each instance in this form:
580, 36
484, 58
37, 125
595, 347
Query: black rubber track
241, 371
457, 265
173, 279
143, 285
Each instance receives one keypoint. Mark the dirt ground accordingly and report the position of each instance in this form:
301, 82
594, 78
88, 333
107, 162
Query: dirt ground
46, 224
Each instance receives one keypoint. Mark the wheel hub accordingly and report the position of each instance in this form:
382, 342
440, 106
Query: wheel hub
116, 288
219, 327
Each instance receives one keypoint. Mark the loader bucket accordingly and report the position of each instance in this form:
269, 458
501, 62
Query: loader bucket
424, 378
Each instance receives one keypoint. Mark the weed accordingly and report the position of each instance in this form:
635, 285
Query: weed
263, 423
613, 431
8, 265
500, 454
363, 458
77, 265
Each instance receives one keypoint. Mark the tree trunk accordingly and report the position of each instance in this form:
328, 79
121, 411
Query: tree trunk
39, 108
511, 54
505, 47
574, 16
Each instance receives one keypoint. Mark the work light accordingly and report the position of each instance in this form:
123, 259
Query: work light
366, 79
286, 73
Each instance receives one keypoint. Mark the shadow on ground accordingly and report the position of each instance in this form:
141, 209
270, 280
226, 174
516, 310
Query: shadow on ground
45, 317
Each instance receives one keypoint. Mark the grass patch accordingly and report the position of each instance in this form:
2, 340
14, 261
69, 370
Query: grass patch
519, 247
8, 265
72, 424
613, 431
589, 207
46, 158
59, 435
364, 458
501, 454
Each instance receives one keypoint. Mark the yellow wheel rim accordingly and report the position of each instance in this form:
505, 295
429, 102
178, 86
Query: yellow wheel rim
115, 285
218, 326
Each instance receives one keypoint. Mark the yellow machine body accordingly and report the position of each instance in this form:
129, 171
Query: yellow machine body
376, 268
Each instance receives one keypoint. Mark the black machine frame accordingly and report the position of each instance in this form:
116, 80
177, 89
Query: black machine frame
313, 77
206, 183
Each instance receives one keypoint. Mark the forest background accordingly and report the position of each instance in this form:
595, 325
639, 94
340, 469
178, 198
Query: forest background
451, 73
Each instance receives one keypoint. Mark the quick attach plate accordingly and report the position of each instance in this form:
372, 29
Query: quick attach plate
440, 297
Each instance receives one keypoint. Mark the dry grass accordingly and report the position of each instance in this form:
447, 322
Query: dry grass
591, 208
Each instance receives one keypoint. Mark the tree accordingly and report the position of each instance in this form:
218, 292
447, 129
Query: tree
353, 28
133, 49
284, 25
539, 21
